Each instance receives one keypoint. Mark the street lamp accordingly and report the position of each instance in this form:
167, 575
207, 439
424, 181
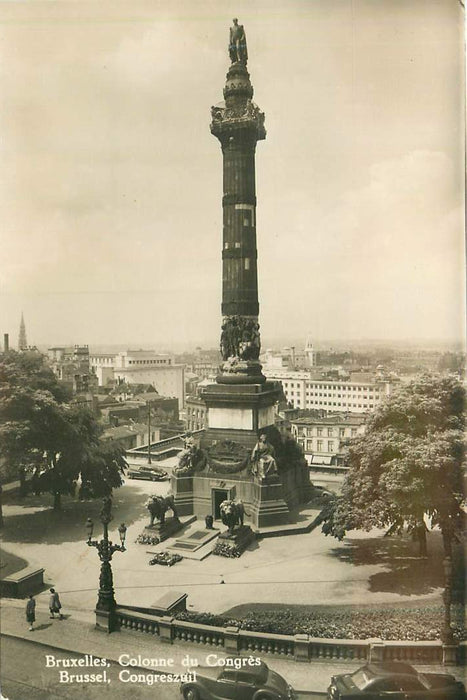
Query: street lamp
446, 633
106, 602
148, 404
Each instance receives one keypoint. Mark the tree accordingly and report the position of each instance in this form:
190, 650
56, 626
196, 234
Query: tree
56, 441
25, 380
408, 467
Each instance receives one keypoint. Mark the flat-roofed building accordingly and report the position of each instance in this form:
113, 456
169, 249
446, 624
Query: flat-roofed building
142, 367
360, 393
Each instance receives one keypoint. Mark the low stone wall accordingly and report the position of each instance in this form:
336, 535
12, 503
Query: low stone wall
22, 583
299, 647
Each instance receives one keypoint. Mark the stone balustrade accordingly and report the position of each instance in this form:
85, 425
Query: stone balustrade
299, 647
138, 621
161, 445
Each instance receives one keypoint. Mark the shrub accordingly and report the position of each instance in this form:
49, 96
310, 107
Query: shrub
404, 624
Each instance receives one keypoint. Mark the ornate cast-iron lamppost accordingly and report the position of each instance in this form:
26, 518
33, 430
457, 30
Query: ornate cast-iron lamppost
106, 603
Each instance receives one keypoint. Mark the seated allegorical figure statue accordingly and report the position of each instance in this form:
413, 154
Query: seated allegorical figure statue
190, 458
262, 459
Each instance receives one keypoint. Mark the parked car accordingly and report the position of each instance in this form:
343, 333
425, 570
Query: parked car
247, 683
394, 681
147, 473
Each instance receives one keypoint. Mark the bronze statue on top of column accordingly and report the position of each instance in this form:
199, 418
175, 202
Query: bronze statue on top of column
237, 43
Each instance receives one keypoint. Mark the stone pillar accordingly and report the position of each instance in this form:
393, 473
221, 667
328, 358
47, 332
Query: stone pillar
450, 652
105, 620
376, 652
165, 629
231, 640
301, 647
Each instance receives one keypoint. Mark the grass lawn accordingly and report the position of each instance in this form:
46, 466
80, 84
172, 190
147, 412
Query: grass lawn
10, 564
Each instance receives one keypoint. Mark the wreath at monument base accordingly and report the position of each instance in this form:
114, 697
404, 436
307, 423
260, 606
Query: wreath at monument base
225, 549
145, 538
165, 558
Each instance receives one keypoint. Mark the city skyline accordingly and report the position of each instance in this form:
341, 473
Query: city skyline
108, 159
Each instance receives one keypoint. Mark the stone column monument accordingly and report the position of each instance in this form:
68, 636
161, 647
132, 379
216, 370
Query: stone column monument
241, 400
242, 463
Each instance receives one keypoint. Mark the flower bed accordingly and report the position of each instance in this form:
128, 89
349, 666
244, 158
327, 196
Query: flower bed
165, 559
147, 539
403, 624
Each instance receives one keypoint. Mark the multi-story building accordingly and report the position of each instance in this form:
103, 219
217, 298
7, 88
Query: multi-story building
131, 435
196, 413
142, 367
324, 438
72, 367
204, 369
102, 364
361, 392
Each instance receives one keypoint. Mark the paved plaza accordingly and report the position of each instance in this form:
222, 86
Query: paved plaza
366, 569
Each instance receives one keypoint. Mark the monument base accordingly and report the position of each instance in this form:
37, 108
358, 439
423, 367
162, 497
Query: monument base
237, 412
233, 544
165, 530
270, 507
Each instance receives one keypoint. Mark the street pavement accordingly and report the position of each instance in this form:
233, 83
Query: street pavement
34, 680
77, 634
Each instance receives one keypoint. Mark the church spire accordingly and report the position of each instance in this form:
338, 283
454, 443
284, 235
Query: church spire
22, 340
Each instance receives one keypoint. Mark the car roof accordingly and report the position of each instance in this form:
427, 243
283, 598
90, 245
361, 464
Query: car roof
386, 668
257, 669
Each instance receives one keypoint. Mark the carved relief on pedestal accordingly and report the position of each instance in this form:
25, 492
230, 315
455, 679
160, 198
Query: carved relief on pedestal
228, 457
242, 114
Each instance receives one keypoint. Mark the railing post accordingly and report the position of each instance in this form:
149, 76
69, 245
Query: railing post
166, 629
376, 650
450, 654
231, 640
106, 620
301, 647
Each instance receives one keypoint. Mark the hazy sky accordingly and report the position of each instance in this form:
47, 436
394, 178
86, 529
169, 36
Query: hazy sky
111, 183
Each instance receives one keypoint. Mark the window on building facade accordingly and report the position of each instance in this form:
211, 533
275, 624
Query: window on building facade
330, 446
329, 432
319, 445
353, 432
319, 431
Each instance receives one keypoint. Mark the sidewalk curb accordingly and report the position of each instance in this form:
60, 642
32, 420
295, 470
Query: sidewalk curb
28, 640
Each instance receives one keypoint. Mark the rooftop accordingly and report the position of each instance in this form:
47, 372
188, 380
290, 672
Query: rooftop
349, 418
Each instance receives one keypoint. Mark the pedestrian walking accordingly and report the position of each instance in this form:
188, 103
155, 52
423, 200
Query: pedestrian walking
31, 612
55, 604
